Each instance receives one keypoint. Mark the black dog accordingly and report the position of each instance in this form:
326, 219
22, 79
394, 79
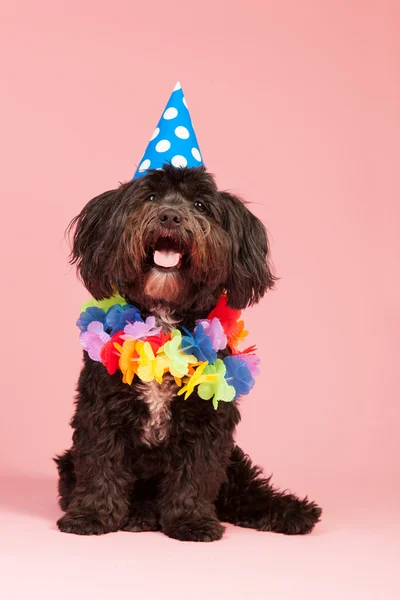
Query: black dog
142, 458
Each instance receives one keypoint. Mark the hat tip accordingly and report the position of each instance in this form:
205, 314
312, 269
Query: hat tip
177, 86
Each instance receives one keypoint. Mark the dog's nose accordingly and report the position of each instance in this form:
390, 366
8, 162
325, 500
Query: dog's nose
170, 218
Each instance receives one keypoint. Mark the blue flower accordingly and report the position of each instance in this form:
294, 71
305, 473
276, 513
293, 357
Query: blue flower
118, 316
93, 313
239, 375
198, 344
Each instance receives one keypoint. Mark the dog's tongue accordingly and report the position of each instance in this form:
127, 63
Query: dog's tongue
166, 258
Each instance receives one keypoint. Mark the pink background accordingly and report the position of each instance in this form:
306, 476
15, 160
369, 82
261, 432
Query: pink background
296, 107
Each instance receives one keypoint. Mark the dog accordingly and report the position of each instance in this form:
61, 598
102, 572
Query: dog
142, 458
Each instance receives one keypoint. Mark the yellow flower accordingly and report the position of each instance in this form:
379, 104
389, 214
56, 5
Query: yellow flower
196, 379
151, 366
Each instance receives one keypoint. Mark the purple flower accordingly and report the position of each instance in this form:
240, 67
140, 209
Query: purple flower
215, 332
252, 361
93, 339
140, 330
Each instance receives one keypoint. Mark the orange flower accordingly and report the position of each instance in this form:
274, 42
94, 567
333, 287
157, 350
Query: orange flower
128, 362
238, 334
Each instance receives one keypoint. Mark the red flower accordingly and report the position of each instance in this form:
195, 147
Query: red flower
156, 341
227, 316
109, 354
250, 350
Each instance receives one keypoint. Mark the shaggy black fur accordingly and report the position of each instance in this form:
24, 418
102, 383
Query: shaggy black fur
192, 477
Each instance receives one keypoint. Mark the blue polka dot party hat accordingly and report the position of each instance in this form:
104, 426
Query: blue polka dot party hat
174, 140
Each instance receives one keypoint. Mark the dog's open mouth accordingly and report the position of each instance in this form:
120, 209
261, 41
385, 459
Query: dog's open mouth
167, 254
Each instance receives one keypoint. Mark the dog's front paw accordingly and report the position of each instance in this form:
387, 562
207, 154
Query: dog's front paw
82, 525
201, 529
292, 516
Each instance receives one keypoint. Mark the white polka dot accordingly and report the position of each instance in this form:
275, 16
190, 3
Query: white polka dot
184, 101
196, 154
179, 161
145, 165
163, 146
155, 133
170, 113
177, 87
182, 132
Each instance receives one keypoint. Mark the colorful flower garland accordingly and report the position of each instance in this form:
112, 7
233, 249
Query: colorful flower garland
115, 334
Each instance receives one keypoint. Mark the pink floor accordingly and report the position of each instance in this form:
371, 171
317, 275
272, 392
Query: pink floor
353, 553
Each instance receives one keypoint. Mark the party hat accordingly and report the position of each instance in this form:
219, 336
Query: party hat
174, 140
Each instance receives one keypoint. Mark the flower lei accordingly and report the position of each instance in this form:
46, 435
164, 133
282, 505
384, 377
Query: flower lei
115, 334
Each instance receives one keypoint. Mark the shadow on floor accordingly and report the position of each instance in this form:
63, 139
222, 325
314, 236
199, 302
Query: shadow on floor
31, 495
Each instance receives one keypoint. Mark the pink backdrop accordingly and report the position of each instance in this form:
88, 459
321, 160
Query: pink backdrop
296, 107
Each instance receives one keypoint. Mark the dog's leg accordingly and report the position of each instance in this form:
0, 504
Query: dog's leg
248, 500
67, 479
188, 491
99, 501
143, 508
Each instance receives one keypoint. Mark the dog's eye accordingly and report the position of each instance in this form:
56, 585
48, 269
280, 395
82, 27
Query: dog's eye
151, 197
200, 206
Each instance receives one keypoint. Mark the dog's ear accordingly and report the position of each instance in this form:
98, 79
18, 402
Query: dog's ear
95, 233
250, 273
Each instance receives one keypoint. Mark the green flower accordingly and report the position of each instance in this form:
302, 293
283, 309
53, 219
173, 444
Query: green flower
178, 361
219, 390
103, 304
